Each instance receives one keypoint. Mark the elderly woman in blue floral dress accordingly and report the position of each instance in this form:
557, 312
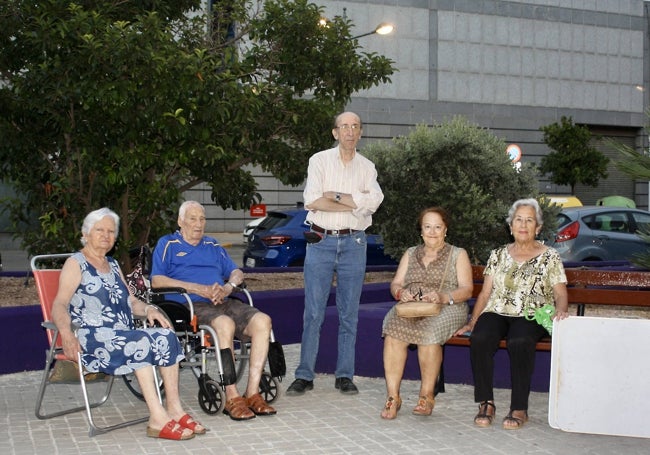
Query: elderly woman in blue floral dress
94, 298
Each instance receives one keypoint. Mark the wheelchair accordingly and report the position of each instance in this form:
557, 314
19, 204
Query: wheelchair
213, 367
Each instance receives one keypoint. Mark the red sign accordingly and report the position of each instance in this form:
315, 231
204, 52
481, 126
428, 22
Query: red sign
258, 210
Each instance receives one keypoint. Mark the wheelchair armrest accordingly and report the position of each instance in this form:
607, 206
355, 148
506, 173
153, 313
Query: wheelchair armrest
240, 287
168, 291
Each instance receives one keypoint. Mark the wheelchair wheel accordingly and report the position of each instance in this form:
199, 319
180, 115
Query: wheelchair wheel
211, 397
269, 387
134, 386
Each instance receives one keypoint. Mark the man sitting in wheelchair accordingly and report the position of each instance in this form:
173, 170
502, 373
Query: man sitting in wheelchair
188, 259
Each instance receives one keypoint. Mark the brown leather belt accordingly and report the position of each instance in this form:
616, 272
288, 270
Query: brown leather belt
317, 228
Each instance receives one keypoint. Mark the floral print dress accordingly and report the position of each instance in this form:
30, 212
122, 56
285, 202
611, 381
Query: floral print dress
109, 340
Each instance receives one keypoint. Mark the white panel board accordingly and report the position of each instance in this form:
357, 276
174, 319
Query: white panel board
600, 376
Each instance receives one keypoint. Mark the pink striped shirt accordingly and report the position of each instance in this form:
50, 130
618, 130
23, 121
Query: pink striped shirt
327, 172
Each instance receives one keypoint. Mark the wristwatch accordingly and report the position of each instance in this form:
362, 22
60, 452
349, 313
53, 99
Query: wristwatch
451, 299
337, 197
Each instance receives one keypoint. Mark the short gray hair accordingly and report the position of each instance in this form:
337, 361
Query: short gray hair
530, 202
96, 215
186, 205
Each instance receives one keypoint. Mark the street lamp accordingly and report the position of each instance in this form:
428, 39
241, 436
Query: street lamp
382, 29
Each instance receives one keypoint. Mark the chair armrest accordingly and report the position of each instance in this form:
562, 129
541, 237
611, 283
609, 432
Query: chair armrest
49, 325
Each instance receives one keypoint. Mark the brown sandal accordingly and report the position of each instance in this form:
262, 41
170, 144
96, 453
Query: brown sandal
392, 406
484, 414
259, 407
515, 422
237, 409
425, 406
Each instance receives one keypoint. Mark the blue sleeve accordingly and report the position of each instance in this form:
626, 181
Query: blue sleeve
226, 264
158, 267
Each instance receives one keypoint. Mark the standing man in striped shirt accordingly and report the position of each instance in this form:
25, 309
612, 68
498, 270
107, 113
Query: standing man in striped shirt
341, 195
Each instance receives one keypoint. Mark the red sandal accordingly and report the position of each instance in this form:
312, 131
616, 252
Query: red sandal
187, 421
172, 430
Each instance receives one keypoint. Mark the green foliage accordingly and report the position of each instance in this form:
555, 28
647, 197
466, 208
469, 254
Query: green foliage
637, 166
573, 159
128, 104
633, 163
550, 211
458, 166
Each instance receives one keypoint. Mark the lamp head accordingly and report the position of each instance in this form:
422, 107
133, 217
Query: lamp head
384, 28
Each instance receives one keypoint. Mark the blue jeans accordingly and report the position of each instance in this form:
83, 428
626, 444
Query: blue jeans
345, 255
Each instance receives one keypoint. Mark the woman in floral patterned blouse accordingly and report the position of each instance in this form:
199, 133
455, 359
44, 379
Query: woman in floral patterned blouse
519, 277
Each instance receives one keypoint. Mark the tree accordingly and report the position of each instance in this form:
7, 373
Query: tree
458, 166
637, 166
573, 159
128, 104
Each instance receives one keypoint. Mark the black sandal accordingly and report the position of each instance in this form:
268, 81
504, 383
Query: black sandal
483, 414
518, 423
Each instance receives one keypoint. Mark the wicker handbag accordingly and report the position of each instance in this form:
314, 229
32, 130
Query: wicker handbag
420, 309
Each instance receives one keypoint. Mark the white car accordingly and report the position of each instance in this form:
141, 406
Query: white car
250, 227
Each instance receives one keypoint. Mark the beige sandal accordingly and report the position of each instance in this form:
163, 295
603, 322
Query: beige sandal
425, 406
393, 404
514, 423
484, 414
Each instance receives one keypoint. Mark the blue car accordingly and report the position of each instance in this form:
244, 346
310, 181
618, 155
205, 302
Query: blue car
279, 242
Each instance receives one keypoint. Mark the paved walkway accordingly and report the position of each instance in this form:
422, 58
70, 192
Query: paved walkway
322, 421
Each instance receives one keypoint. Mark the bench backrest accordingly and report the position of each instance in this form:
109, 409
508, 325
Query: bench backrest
601, 287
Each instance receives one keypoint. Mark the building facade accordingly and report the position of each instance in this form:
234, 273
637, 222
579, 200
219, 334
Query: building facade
510, 66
